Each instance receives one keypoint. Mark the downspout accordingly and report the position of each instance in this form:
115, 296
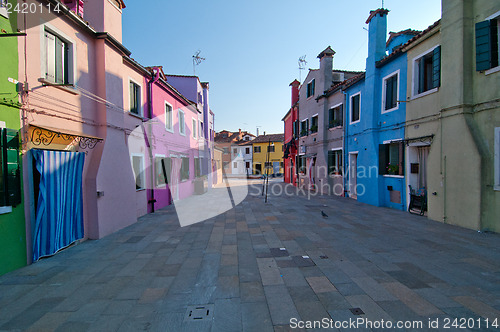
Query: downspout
149, 130
344, 141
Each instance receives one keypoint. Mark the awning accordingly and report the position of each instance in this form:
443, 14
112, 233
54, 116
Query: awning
422, 139
45, 135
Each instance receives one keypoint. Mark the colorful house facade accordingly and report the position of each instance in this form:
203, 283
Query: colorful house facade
268, 154
290, 124
12, 221
375, 130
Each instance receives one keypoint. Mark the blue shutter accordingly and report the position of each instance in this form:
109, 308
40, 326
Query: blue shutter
436, 67
388, 93
484, 47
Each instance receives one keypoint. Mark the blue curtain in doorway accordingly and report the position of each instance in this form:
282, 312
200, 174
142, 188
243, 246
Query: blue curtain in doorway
59, 211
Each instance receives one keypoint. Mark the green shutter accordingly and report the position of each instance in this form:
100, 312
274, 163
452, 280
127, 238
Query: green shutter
484, 45
421, 75
11, 172
436, 67
313, 87
59, 61
133, 106
382, 158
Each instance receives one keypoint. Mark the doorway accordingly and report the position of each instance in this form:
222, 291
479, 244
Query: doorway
353, 174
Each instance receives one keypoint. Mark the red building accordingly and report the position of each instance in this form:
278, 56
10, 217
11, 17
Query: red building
291, 136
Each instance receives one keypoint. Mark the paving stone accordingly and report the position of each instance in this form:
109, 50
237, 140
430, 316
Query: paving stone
280, 304
320, 284
255, 317
478, 307
227, 315
293, 277
252, 292
412, 299
269, 271
375, 290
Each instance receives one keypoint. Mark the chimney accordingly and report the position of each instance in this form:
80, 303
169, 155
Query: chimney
295, 91
326, 67
75, 6
377, 33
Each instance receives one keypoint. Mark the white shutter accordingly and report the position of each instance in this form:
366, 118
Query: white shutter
50, 54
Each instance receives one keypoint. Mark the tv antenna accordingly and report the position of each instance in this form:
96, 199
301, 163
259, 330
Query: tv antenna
302, 66
197, 59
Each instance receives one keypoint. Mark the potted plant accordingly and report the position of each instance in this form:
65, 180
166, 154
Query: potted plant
314, 128
392, 169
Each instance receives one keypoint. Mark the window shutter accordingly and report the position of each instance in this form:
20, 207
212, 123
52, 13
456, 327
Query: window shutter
133, 108
382, 158
421, 75
59, 55
313, 87
12, 172
394, 99
436, 67
340, 114
307, 125
484, 45
494, 42
50, 54
331, 162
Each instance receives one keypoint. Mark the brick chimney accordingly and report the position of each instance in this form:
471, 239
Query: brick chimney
325, 68
295, 91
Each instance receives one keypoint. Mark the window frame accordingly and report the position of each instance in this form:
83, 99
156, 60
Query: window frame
315, 116
247, 150
311, 88
183, 131
331, 112
338, 154
181, 178
142, 171
139, 106
495, 16
195, 127
161, 157
71, 56
257, 149
383, 165
415, 75
304, 132
384, 91
351, 109
171, 129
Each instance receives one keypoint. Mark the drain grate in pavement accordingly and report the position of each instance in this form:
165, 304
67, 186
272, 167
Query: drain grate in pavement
196, 313
323, 257
279, 252
357, 311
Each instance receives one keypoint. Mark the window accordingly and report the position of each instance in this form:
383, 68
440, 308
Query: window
256, 149
304, 127
225, 150
247, 164
314, 124
195, 126
391, 159
247, 150
202, 129
295, 128
235, 165
335, 116
185, 169
160, 178
487, 43
301, 164
235, 151
310, 88
335, 162
168, 117
10, 176
138, 168
197, 167
135, 98
3, 9
496, 145
57, 59
355, 107
182, 125
270, 148
427, 71
390, 92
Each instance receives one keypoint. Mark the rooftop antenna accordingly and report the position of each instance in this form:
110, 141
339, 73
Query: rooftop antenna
197, 59
302, 66
382, 4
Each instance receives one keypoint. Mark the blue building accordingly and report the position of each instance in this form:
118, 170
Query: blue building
375, 119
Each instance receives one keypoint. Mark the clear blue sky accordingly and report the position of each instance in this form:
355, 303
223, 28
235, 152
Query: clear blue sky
252, 47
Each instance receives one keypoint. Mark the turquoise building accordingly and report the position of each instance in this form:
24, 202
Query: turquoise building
375, 119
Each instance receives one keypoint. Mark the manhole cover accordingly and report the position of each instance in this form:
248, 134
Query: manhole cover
197, 313
357, 311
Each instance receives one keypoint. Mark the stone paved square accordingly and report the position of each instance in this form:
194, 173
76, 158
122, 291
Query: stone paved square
390, 264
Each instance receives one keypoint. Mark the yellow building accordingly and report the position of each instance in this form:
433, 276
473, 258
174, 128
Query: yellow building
261, 144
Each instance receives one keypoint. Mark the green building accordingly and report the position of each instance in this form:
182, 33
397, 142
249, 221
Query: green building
453, 131
12, 220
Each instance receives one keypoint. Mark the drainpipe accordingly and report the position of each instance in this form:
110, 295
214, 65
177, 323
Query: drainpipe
344, 141
149, 130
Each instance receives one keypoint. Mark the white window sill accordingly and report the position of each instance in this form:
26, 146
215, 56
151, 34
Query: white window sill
394, 176
355, 122
492, 70
4, 13
140, 189
333, 128
5, 209
67, 87
423, 94
161, 186
390, 110
169, 130
496, 187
